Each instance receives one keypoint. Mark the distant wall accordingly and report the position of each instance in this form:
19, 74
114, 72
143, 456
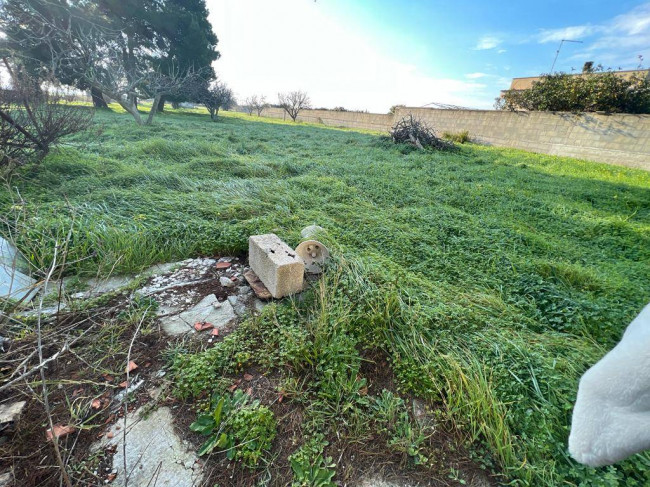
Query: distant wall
357, 120
620, 139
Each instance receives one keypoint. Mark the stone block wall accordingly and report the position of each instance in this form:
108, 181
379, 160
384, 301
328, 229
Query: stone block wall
620, 139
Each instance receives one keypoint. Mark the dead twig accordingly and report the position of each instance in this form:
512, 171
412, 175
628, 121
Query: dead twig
46, 402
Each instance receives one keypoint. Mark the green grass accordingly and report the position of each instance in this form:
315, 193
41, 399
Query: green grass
491, 277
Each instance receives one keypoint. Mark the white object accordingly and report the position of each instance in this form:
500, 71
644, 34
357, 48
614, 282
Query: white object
311, 231
314, 254
276, 264
611, 417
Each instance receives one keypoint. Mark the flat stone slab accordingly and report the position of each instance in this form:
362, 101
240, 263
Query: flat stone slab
16, 285
8, 253
153, 451
210, 310
110, 284
378, 482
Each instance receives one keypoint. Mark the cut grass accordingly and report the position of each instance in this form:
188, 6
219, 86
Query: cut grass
491, 277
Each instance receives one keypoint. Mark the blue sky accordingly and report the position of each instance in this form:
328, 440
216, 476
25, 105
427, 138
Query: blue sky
374, 54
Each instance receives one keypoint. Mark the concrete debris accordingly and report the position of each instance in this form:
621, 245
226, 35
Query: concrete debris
120, 396
209, 309
314, 254
16, 285
153, 451
258, 286
276, 264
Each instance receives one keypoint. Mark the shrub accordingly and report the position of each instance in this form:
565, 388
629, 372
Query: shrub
593, 92
33, 120
411, 130
460, 137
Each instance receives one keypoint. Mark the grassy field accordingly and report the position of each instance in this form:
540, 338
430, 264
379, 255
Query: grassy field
490, 278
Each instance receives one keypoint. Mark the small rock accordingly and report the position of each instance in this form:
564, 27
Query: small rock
244, 290
223, 265
260, 305
233, 300
226, 282
10, 415
6, 479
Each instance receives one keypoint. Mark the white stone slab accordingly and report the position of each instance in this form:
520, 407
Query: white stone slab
16, 285
210, 310
153, 451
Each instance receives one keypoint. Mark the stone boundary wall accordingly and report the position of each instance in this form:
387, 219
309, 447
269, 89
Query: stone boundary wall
357, 120
620, 139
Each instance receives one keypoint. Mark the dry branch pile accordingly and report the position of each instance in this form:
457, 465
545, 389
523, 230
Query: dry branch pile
412, 130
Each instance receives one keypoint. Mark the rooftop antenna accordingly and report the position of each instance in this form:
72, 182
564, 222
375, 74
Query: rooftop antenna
557, 53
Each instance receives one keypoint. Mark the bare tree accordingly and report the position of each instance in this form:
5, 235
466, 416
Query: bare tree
258, 103
248, 105
293, 102
33, 119
217, 96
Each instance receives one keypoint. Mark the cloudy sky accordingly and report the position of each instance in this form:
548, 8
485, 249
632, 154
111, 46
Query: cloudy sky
369, 55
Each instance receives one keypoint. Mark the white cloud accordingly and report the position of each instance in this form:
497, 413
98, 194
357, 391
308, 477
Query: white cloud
294, 44
572, 33
501, 51
476, 75
635, 22
487, 42
616, 43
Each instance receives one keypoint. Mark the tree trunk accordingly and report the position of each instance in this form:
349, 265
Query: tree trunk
154, 109
130, 107
161, 105
98, 98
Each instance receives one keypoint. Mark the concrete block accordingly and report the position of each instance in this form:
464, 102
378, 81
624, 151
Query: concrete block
276, 264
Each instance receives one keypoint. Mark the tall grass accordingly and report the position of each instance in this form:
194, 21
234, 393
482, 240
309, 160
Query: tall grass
491, 277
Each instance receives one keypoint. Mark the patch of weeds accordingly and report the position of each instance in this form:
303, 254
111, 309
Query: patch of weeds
458, 137
241, 428
310, 468
391, 414
272, 339
140, 310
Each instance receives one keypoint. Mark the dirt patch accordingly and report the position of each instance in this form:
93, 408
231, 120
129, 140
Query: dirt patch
84, 382
218, 470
